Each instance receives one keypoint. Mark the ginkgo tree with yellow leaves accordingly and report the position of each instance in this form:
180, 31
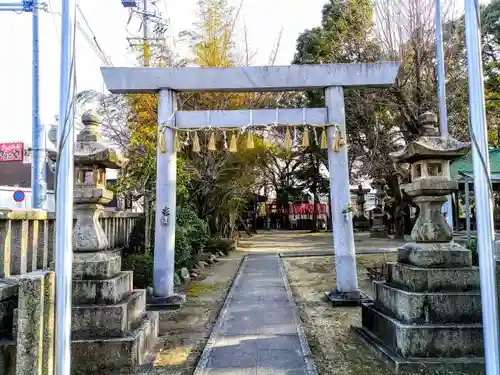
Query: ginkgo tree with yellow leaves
217, 171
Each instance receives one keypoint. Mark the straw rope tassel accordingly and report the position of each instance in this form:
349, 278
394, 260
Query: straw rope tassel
177, 143
336, 141
305, 138
196, 143
324, 140
288, 139
162, 143
250, 143
233, 144
211, 142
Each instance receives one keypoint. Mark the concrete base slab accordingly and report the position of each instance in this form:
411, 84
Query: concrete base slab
406, 366
339, 299
172, 302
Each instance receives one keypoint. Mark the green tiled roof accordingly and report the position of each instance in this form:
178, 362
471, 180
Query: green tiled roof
464, 164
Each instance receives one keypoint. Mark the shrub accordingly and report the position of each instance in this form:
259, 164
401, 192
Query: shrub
472, 246
191, 235
182, 247
196, 228
142, 265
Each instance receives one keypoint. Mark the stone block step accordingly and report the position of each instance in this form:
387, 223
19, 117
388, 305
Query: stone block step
434, 308
107, 291
423, 340
116, 355
428, 255
96, 266
418, 279
108, 320
404, 366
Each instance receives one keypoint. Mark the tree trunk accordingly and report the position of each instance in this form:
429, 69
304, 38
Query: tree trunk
314, 224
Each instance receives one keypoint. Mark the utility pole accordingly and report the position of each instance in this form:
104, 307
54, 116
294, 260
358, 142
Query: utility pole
148, 17
64, 190
443, 116
146, 36
39, 156
39, 153
482, 189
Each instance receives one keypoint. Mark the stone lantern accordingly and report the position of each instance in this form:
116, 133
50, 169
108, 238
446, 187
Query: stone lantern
92, 157
379, 228
361, 222
426, 317
111, 330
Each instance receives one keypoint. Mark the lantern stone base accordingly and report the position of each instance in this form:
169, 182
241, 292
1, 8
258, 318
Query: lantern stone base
378, 229
427, 315
361, 223
111, 330
379, 232
117, 354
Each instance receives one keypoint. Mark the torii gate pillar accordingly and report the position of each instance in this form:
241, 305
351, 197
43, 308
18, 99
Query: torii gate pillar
331, 77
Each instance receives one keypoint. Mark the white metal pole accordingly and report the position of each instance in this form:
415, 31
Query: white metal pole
64, 198
166, 187
482, 189
343, 235
443, 116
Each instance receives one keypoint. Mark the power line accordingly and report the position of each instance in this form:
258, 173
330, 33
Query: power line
94, 38
91, 39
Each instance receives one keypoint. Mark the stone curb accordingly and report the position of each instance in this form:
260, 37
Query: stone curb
331, 253
203, 361
304, 345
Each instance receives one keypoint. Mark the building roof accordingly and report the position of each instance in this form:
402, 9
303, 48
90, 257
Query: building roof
464, 166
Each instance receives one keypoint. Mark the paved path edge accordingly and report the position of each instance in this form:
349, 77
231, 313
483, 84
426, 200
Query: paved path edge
306, 351
203, 361
324, 253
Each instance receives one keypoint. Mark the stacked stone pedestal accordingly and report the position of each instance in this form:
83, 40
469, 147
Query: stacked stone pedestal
111, 330
427, 315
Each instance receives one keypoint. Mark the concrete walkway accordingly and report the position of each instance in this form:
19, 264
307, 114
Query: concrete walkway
258, 331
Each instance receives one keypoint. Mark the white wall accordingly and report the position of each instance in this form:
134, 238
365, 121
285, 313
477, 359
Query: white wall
7, 198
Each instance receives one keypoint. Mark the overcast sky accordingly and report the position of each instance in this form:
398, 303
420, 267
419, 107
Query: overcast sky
108, 19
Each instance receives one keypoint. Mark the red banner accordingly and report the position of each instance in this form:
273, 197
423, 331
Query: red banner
11, 151
307, 208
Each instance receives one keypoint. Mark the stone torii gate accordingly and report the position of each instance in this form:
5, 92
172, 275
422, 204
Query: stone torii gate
168, 81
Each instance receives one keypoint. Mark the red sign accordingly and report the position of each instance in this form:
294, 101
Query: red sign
11, 151
307, 208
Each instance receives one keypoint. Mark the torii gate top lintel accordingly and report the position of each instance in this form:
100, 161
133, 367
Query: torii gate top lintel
249, 79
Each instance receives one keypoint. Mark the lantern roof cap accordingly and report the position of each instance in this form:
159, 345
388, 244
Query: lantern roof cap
430, 144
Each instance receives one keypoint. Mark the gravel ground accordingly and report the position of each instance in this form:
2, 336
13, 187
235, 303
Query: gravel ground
184, 332
335, 348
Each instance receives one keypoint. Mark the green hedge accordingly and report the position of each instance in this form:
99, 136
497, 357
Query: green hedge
191, 235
